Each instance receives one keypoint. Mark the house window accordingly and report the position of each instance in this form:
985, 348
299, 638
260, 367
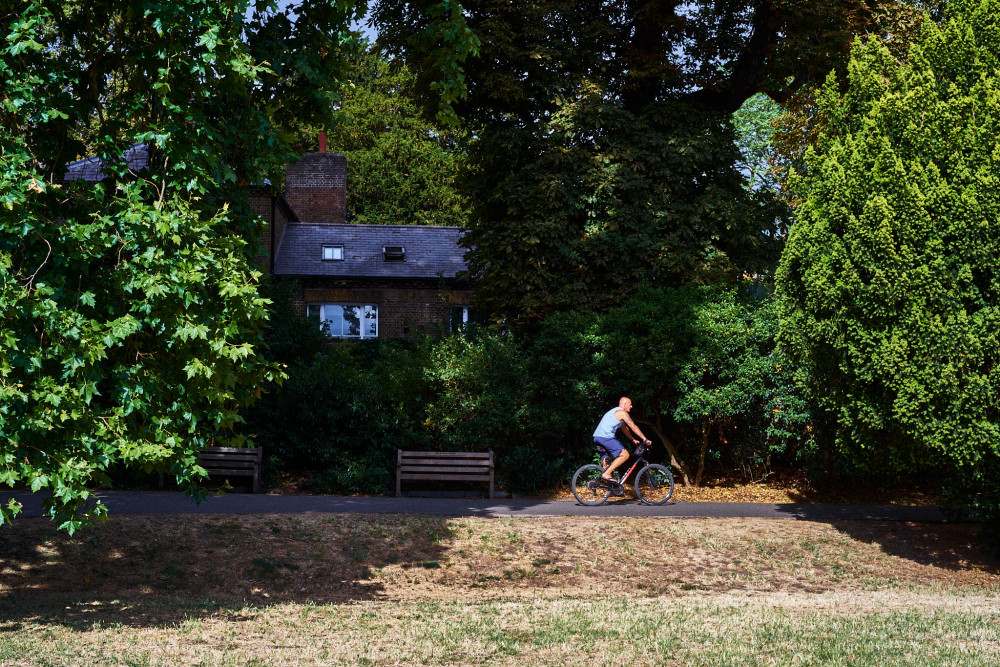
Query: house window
461, 318
394, 253
345, 320
333, 253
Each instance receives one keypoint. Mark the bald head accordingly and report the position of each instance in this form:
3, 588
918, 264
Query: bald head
625, 403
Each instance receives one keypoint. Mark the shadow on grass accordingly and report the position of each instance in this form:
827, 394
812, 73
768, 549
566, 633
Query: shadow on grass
160, 570
950, 546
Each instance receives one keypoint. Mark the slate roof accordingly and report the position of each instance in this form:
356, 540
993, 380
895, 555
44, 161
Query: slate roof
91, 169
431, 252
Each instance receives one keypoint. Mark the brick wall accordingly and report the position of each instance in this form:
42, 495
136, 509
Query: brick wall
405, 308
316, 187
261, 203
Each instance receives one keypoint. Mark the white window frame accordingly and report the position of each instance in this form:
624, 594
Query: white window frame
333, 252
456, 324
367, 312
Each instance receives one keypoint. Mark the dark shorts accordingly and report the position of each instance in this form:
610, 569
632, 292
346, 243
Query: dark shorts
610, 445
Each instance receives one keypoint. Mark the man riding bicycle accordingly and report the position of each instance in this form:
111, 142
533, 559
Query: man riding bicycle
607, 443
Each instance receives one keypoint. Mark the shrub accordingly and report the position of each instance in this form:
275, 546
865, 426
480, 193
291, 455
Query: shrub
345, 407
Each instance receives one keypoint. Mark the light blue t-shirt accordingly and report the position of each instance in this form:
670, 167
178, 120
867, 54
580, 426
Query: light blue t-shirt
609, 425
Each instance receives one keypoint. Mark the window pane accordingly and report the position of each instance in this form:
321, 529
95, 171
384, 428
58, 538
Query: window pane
352, 320
333, 317
345, 320
461, 318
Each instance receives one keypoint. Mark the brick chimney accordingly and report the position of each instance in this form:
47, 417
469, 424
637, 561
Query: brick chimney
316, 187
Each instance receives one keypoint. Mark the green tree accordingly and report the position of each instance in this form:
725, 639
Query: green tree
890, 283
401, 169
700, 364
602, 150
754, 123
129, 311
897, 22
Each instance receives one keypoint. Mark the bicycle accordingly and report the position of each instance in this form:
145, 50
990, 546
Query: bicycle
654, 484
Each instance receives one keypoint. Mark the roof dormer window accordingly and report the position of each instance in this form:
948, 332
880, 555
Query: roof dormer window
333, 253
394, 253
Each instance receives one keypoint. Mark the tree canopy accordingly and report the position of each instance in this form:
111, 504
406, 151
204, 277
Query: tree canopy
603, 151
401, 168
890, 282
129, 310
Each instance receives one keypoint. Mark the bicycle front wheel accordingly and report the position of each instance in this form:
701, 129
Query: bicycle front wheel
588, 488
654, 485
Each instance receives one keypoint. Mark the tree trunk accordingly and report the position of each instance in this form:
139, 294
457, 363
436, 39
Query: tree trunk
705, 430
675, 459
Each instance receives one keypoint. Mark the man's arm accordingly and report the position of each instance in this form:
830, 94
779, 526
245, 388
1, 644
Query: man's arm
631, 427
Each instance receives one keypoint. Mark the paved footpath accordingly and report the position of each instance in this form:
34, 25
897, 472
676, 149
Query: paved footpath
171, 502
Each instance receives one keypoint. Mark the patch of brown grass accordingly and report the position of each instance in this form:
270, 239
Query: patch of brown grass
414, 590
341, 558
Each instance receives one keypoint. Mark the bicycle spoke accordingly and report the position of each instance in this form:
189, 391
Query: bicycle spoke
588, 487
654, 485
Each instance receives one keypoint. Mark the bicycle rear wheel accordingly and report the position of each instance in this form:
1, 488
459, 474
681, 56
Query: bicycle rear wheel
587, 487
654, 484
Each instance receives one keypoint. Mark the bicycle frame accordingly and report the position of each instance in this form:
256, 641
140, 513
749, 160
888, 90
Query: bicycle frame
638, 460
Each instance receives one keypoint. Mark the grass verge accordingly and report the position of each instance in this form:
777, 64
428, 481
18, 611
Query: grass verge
404, 590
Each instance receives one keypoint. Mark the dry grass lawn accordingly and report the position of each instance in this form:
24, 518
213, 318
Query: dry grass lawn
412, 590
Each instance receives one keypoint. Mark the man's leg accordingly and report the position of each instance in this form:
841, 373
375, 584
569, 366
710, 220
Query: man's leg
617, 454
619, 460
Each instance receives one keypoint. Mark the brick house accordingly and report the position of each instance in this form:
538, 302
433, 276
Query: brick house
360, 281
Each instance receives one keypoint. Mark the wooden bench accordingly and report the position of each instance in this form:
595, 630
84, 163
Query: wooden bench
444, 467
231, 461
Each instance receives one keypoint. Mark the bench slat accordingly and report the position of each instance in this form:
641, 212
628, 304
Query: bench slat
447, 455
230, 450
454, 469
447, 463
447, 478
243, 465
250, 456
218, 459
241, 472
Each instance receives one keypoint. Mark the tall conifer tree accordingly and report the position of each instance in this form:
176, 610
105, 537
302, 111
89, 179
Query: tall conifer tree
890, 282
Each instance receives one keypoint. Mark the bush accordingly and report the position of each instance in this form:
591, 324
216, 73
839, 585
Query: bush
345, 407
368, 474
701, 367
698, 361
